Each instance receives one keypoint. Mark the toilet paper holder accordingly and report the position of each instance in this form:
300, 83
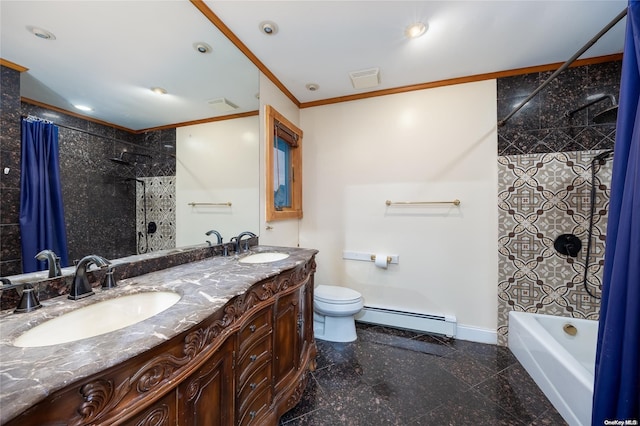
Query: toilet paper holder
373, 258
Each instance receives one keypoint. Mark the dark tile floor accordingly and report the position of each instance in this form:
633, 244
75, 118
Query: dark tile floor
398, 377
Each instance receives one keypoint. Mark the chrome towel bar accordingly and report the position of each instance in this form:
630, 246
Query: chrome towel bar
390, 203
193, 204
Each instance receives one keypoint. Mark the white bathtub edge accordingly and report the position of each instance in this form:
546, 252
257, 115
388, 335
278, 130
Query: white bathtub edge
532, 367
575, 416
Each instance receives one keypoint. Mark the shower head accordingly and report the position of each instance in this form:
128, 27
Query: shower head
609, 115
121, 160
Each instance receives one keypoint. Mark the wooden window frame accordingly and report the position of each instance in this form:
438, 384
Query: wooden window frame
275, 120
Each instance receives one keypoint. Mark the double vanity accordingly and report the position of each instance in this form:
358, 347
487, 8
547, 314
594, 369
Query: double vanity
216, 341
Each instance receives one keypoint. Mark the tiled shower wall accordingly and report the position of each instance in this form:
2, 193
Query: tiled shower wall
545, 162
10, 256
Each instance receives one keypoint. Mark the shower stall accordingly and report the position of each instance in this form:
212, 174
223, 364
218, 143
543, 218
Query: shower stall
153, 201
100, 207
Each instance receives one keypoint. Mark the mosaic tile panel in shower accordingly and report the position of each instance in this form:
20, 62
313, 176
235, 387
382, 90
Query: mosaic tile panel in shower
541, 196
160, 194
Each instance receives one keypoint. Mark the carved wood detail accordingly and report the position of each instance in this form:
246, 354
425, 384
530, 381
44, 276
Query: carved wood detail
98, 396
297, 391
157, 417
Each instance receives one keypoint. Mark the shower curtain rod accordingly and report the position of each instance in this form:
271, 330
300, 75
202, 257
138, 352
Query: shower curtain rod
565, 65
98, 135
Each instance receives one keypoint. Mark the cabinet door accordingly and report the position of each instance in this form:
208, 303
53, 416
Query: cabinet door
287, 334
162, 413
206, 397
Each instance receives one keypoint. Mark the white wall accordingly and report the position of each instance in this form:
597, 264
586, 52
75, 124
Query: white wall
435, 144
217, 162
282, 232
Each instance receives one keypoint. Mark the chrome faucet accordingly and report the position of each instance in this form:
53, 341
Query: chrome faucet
53, 261
80, 286
238, 241
216, 233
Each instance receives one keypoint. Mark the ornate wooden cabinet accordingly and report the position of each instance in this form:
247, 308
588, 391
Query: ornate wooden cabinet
247, 364
206, 396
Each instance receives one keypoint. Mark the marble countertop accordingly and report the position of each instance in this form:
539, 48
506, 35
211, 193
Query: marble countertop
28, 375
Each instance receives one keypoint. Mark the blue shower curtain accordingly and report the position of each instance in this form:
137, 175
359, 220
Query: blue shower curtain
617, 373
42, 224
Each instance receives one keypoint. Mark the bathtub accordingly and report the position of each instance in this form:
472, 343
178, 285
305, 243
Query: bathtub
561, 364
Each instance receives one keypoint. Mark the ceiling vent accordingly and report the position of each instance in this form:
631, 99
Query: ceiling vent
222, 105
365, 79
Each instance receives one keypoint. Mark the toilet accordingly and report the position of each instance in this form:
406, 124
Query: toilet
334, 309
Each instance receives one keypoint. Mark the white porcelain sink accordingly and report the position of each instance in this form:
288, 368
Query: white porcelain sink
99, 318
264, 257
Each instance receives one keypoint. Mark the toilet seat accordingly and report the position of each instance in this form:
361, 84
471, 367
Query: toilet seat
336, 295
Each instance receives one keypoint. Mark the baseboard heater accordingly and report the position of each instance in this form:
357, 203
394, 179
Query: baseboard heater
432, 324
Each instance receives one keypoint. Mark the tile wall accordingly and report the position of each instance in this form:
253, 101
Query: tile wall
545, 163
10, 255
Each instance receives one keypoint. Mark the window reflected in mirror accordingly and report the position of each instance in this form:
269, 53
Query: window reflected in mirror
284, 167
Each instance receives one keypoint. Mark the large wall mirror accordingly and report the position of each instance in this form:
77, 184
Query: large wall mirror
129, 173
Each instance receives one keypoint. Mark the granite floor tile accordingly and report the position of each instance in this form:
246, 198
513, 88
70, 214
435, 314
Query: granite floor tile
311, 409
406, 340
399, 377
521, 396
318, 417
468, 408
465, 367
337, 377
361, 406
522, 402
390, 369
549, 418
492, 357
330, 353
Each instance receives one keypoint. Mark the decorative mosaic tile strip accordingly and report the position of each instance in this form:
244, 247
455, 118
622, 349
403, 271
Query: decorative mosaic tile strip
161, 209
541, 196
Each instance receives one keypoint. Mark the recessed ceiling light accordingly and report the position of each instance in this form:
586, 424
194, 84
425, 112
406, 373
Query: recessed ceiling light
312, 87
202, 47
159, 90
40, 33
268, 27
83, 108
415, 30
